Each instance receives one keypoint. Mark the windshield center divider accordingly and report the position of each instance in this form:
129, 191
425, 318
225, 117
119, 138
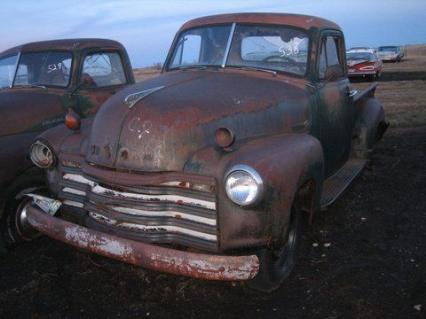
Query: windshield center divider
16, 69
228, 45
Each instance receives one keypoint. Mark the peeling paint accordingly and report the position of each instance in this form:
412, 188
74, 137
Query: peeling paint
83, 238
97, 189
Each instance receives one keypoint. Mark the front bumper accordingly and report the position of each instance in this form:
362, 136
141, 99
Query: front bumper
389, 58
356, 73
195, 265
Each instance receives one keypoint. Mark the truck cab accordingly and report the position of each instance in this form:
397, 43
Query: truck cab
39, 83
209, 169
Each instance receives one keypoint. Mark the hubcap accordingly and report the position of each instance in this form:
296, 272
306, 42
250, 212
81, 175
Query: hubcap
23, 228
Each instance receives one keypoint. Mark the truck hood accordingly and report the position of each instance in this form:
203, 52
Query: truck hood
352, 63
177, 113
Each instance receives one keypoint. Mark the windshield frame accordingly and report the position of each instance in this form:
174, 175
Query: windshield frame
43, 84
167, 65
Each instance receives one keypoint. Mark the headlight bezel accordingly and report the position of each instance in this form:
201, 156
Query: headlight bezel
253, 174
36, 153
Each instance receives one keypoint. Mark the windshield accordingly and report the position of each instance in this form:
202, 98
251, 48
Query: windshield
276, 48
359, 48
388, 49
50, 68
201, 46
366, 56
7, 70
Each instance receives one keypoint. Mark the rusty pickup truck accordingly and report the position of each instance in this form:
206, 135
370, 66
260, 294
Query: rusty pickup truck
39, 82
210, 169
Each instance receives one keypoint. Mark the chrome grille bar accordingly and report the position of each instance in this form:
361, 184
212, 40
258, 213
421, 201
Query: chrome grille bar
164, 213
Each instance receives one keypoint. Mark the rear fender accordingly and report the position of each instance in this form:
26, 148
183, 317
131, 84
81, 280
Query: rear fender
370, 125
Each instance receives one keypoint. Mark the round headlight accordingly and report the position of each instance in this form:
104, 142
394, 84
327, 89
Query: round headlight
243, 185
42, 155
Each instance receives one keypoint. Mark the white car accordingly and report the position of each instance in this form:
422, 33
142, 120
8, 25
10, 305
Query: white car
391, 53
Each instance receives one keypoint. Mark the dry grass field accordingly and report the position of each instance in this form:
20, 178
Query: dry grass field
145, 73
402, 89
362, 258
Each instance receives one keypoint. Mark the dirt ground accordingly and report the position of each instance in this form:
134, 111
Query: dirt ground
363, 258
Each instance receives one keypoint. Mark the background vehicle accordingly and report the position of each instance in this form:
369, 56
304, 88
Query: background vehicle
39, 82
391, 53
209, 169
362, 49
364, 64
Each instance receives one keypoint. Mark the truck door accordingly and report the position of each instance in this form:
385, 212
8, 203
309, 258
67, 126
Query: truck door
335, 104
101, 75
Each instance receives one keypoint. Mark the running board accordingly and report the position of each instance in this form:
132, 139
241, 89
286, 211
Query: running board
336, 184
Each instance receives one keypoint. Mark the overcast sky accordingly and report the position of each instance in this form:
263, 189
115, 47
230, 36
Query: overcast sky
147, 27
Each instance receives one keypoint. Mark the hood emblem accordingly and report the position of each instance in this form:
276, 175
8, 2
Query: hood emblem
134, 98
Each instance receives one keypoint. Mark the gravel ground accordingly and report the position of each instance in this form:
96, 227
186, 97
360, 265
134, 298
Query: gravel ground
363, 258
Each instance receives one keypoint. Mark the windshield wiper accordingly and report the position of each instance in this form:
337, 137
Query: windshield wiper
29, 86
252, 68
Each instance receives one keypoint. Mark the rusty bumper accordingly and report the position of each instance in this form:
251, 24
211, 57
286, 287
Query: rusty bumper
195, 265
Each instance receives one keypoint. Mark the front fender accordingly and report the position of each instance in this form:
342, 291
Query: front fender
64, 140
285, 163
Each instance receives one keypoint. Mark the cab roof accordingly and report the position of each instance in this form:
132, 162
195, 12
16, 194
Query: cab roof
64, 44
297, 20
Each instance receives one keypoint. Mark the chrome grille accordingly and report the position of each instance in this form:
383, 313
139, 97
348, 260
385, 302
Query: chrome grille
157, 214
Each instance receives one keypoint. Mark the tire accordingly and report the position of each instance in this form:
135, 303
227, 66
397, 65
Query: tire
11, 230
276, 265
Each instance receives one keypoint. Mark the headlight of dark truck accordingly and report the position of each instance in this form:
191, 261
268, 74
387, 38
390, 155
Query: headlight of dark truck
42, 155
243, 185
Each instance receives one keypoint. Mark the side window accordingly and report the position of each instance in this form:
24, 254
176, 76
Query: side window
332, 52
330, 62
102, 69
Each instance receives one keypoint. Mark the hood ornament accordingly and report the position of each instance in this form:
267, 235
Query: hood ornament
134, 98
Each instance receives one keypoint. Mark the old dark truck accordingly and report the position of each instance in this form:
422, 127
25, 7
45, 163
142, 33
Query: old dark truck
208, 170
39, 82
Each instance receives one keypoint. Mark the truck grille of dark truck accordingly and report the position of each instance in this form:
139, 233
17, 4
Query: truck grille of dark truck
169, 213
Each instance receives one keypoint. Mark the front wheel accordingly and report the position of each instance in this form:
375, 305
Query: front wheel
12, 226
277, 264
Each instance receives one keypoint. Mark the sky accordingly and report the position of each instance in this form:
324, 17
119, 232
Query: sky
147, 27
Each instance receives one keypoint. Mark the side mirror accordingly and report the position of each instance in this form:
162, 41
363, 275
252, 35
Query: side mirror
333, 72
